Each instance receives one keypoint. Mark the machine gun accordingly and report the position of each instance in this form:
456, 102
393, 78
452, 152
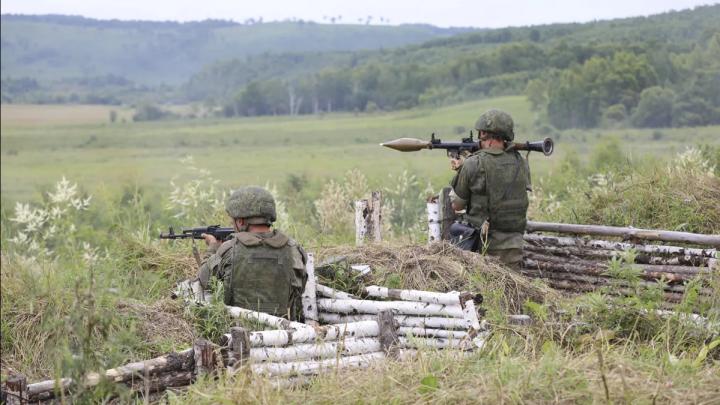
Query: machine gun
455, 149
219, 233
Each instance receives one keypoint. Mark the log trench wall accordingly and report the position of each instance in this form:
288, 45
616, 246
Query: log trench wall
580, 264
357, 333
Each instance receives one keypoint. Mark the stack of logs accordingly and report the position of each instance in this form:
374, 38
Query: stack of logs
362, 332
580, 264
425, 318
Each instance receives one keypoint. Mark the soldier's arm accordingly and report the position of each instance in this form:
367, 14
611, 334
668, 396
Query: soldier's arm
460, 194
213, 262
299, 262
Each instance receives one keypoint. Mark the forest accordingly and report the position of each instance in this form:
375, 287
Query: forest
659, 71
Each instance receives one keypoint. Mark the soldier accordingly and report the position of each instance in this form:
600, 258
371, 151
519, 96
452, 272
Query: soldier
492, 188
261, 268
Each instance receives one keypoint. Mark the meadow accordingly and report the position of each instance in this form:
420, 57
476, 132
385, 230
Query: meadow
42, 143
85, 281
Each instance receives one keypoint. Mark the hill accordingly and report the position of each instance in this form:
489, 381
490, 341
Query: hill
652, 71
54, 47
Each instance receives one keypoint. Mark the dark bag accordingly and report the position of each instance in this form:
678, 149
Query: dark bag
464, 236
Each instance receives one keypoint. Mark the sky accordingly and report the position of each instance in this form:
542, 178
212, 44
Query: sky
443, 13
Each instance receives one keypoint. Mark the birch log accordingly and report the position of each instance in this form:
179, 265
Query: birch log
447, 213
609, 245
388, 336
604, 281
375, 220
190, 291
274, 338
580, 287
328, 292
309, 297
588, 253
361, 211
316, 367
403, 320
433, 214
401, 307
15, 390
319, 350
648, 272
181, 361
431, 332
431, 343
451, 298
265, 319
600, 271
470, 314
626, 233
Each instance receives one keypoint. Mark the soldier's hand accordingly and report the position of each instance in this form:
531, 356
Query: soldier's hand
456, 163
210, 240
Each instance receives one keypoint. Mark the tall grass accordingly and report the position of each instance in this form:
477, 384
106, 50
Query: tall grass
84, 285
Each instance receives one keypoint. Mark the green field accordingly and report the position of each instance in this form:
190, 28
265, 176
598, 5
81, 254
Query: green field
40, 144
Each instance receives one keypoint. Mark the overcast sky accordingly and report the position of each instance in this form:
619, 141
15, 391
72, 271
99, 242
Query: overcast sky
458, 13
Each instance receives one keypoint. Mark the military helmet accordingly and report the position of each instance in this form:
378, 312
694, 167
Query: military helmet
497, 122
252, 202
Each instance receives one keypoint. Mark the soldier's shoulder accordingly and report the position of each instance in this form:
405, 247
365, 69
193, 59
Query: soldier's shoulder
225, 247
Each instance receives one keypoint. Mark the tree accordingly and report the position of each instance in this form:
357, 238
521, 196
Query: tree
536, 92
655, 109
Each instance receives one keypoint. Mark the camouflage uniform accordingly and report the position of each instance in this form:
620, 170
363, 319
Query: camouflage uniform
261, 271
492, 186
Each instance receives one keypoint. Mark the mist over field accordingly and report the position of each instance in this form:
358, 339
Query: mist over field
113, 131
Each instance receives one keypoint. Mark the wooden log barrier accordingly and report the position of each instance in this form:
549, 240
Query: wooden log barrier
673, 274
576, 252
388, 333
265, 319
239, 346
431, 322
545, 240
433, 215
16, 390
626, 233
319, 350
403, 307
368, 219
432, 332
580, 287
328, 292
183, 361
274, 338
431, 297
309, 296
317, 366
207, 359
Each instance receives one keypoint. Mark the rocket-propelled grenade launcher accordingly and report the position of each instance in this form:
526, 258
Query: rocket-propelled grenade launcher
454, 149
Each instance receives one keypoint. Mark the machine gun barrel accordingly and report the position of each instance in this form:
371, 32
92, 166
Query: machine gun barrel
196, 233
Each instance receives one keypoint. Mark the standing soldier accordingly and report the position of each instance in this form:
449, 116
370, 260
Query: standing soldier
261, 268
492, 188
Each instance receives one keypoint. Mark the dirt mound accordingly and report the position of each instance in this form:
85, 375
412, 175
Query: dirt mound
438, 267
159, 322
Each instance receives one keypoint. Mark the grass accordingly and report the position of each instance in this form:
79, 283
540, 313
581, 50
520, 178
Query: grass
97, 296
268, 149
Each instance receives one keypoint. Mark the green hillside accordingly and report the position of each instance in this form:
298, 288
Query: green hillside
57, 47
656, 71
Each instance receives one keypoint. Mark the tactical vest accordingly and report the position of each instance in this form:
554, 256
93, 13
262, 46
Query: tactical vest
504, 201
261, 273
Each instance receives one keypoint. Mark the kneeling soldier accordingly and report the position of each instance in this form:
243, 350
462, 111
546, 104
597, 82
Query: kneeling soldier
261, 268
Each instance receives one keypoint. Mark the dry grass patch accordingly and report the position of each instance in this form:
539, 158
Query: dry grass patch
442, 267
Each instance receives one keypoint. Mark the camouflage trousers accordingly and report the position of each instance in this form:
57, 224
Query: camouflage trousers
511, 258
